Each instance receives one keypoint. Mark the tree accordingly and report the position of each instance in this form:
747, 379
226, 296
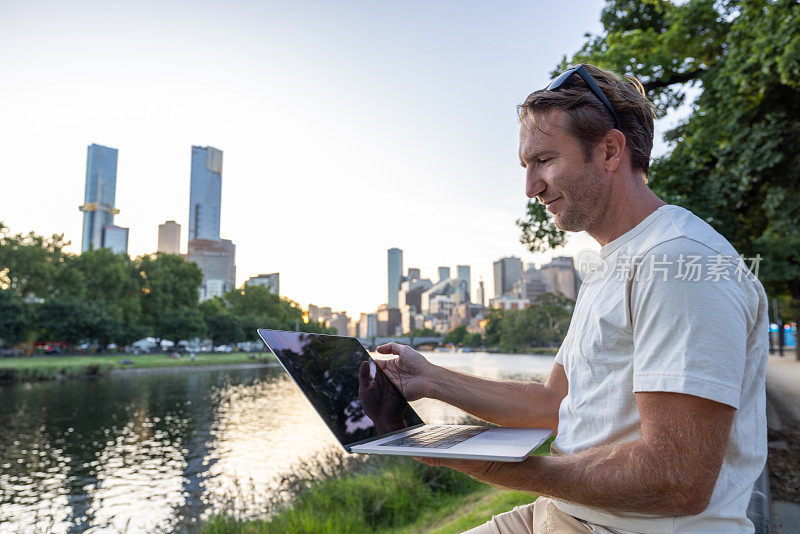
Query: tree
222, 326
169, 283
539, 232
112, 281
14, 319
32, 266
473, 340
733, 161
456, 335
544, 322
183, 322
73, 320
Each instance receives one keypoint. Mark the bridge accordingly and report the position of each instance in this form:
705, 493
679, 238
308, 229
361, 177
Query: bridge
372, 342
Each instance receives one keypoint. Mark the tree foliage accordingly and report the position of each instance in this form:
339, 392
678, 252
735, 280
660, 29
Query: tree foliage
539, 232
47, 295
734, 160
543, 323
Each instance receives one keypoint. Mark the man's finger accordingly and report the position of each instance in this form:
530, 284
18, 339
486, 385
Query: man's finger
390, 348
430, 461
363, 374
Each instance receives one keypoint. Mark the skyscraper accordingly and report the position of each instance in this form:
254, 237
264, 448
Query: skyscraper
169, 237
444, 274
395, 271
481, 293
463, 274
562, 276
506, 272
116, 239
99, 196
217, 260
271, 281
205, 194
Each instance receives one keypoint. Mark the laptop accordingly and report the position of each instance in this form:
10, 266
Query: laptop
368, 414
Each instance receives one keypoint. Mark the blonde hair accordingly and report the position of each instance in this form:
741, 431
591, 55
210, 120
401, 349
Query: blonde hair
590, 120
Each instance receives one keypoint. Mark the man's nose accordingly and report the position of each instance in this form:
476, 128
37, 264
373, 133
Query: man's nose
534, 186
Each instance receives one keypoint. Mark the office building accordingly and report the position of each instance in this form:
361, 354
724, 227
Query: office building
444, 273
368, 325
340, 322
217, 261
169, 238
411, 293
319, 314
205, 194
506, 272
395, 275
413, 273
454, 289
116, 239
531, 285
271, 281
509, 302
481, 293
562, 277
464, 274
465, 314
389, 321
99, 198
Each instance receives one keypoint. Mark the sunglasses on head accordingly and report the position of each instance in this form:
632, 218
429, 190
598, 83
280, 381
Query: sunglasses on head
562, 78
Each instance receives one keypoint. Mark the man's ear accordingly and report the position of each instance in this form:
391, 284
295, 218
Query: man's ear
613, 147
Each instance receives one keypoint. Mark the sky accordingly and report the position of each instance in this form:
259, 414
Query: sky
348, 128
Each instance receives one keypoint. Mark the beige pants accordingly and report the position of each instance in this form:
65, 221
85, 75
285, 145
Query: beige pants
539, 517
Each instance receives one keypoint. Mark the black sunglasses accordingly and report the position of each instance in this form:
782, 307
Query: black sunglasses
584, 74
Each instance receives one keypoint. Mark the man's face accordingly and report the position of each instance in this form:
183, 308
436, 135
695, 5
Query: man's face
557, 174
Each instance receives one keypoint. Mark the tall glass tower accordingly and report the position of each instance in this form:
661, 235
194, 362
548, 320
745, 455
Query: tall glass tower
395, 260
205, 194
99, 195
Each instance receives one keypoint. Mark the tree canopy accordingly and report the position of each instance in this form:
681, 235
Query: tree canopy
734, 161
48, 295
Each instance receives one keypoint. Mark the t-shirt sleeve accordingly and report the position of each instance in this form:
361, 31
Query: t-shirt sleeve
689, 328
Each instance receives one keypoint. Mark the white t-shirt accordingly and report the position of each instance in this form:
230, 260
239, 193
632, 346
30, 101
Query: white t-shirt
675, 309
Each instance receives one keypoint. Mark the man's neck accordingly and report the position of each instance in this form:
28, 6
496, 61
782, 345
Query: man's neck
627, 209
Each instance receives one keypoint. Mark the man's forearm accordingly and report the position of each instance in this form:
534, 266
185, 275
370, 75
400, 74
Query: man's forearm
628, 477
502, 402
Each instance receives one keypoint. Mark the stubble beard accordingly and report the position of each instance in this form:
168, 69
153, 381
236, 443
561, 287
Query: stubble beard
578, 214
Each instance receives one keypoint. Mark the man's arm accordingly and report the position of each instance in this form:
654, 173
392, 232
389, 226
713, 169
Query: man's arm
502, 402
670, 470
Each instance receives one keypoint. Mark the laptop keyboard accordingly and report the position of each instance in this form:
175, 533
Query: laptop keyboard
436, 437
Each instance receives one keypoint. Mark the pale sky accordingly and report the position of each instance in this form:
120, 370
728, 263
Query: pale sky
347, 128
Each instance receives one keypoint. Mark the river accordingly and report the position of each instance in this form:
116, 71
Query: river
158, 452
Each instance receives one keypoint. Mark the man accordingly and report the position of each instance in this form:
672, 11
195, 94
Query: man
657, 391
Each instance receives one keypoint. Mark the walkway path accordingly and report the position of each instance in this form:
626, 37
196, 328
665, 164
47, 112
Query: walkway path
783, 391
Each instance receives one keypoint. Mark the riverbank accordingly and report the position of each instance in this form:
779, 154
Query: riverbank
381, 494
43, 368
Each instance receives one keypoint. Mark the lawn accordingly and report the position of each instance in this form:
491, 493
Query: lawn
34, 368
388, 494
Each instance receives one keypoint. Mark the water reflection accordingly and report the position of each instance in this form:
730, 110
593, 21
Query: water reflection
150, 453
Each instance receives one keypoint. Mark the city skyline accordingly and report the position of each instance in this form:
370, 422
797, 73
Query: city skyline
395, 136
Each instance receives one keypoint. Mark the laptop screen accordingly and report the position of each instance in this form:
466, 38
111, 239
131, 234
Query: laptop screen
346, 387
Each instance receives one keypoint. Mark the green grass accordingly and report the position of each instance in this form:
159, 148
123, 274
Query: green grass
463, 514
35, 368
382, 494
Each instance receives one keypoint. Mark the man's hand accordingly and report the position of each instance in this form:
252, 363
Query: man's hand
478, 469
382, 403
410, 371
